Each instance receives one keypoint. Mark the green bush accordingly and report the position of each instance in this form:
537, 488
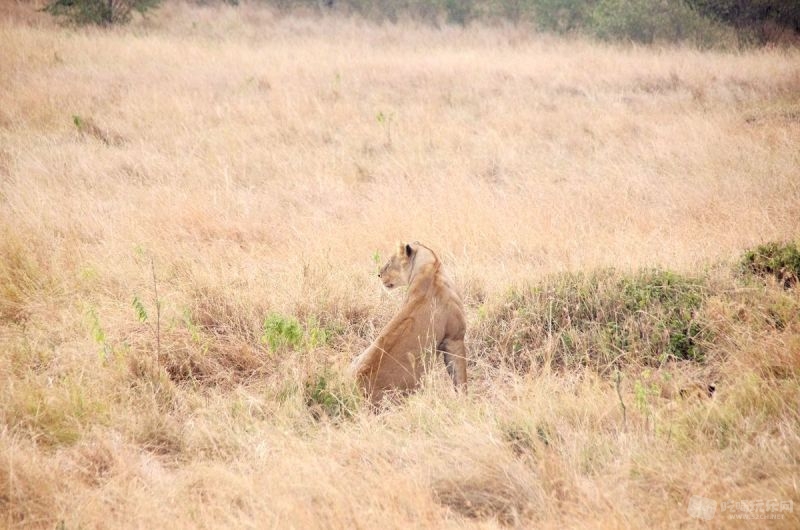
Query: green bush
99, 12
754, 16
600, 320
648, 21
779, 260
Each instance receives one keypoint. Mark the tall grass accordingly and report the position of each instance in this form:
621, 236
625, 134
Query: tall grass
250, 170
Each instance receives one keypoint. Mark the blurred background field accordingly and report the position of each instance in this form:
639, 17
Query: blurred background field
192, 206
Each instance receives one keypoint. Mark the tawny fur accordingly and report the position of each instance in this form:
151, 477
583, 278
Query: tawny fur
431, 320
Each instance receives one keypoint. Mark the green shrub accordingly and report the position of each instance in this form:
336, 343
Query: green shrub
753, 16
326, 395
779, 260
649, 21
281, 333
600, 320
99, 12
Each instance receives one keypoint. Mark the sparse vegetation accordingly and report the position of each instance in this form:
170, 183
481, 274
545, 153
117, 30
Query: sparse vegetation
327, 395
594, 203
705, 23
780, 261
283, 333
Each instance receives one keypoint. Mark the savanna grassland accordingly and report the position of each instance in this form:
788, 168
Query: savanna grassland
191, 211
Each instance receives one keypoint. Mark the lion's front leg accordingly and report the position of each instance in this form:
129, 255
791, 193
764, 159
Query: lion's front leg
364, 369
360, 364
455, 359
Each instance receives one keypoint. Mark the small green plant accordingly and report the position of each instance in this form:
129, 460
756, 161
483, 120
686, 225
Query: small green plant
141, 312
376, 259
96, 329
98, 334
281, 333
326, 395
779, 260
316, 334
386, 121
643, 391
193, 328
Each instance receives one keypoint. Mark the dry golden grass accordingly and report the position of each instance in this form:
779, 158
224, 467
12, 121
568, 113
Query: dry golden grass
259, 162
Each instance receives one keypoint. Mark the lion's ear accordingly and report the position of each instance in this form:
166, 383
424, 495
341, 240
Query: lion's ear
409, 250
401, 248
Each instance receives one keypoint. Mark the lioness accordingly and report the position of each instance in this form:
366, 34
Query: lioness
432, 316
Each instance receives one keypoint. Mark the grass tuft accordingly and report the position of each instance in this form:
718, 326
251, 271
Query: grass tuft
328, 395
600, 320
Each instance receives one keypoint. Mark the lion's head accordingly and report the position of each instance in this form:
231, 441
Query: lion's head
398, 269
409, 259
